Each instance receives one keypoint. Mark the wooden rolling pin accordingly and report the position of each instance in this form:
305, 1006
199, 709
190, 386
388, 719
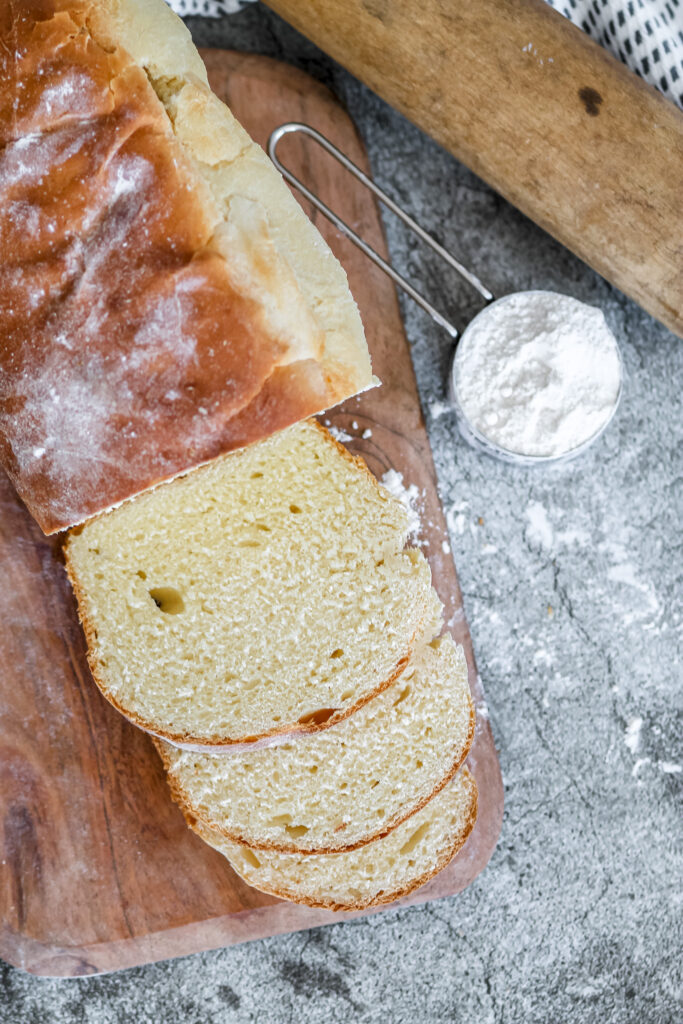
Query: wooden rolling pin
535, 108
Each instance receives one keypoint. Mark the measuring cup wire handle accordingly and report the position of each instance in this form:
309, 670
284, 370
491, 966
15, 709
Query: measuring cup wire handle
294, 126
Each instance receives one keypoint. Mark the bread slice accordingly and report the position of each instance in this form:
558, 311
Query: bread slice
380, 872
346, 786
267, 592
163, 299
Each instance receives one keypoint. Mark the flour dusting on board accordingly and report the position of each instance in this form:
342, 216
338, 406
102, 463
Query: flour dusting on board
338, 434
409, 498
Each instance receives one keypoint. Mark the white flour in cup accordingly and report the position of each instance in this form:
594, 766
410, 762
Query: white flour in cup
538, 373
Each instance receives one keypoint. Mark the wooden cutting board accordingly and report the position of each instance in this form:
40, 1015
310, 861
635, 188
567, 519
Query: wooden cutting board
97, 869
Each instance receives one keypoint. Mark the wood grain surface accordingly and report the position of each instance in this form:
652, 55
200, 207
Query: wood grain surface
97, 868
543, 114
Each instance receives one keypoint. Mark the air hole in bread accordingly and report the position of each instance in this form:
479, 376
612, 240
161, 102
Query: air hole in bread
405, 692
141, 574
251, 858
375, 782
279, 820
296, 831
346, 695
262, 526
256, 476
317, 717
168, 600
410, 845
294, 508
338, 653
313, 769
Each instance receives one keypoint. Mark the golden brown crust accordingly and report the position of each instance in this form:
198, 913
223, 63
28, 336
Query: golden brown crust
381, 898
190, 811
129, 351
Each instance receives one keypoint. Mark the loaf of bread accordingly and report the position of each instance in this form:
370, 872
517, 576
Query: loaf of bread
168, 321
379, 872
163, 299
265, 593
345, 786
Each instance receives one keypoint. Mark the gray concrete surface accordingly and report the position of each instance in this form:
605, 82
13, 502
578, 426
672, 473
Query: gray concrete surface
572, 586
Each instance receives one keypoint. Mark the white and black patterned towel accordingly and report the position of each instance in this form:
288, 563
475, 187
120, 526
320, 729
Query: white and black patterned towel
647, 35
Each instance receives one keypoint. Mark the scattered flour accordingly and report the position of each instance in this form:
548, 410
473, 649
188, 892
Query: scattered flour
532, 51
409, 498
538, 373
69, 93
337, 433
438, 409
456, 519
625, 573
366, 434
539, 531
668, 767
543, 657
573, 537
632, 737
542, 534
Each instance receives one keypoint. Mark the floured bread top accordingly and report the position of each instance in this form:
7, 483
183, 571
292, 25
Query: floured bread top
163, 299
